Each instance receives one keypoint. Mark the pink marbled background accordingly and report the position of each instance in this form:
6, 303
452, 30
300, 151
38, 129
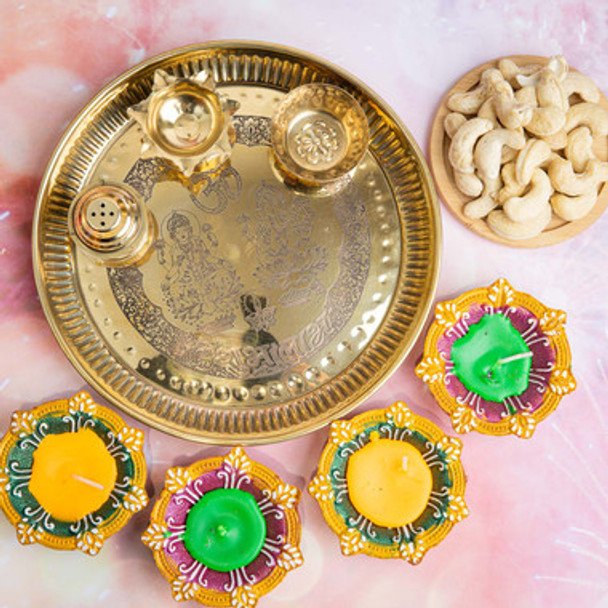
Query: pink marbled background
537, 535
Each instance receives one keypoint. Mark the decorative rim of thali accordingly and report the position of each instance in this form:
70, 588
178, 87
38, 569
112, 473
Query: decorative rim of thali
233, 63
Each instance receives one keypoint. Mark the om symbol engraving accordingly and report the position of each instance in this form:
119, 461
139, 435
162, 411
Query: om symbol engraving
199, 287
317, 142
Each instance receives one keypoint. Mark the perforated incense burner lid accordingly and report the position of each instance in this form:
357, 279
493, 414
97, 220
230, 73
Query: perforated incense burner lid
112, 224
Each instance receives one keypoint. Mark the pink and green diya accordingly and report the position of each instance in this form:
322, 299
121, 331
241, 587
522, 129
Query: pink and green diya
225, 531
497, 360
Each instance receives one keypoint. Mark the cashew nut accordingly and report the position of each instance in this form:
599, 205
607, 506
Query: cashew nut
480, 207
565, 180
550, 117
546, 121
549, 91
489, 149
579, 149
510, 70
590, 114
486, 110
535, 153
527, 95
557, 141
557, 65
468, 183
582, 85
506, 227
508, 154
571, 208
452, 122
470, 101
511, 187
460, 152
526, 208
511, 113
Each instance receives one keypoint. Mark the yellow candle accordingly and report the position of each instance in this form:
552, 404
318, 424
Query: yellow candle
72, 475
388, 482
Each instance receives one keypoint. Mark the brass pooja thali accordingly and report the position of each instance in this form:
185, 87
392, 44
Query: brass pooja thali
253, 307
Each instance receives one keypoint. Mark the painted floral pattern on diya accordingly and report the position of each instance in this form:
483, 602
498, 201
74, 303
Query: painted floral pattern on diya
543, 336
78, 415
408, 532
199, 543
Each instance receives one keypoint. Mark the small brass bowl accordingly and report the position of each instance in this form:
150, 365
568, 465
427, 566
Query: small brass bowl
319, 133
185, 119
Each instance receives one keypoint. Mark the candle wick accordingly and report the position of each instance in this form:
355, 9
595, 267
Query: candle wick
89, 482
404, 463
513, 358
221, 530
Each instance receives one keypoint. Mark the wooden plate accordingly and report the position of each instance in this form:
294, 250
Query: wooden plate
558, 229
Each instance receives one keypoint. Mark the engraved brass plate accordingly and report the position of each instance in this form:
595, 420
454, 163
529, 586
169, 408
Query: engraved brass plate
261, 311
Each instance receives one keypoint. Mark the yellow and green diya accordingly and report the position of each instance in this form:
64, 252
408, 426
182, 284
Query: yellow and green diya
72, 474
497, 360
390, 484
225, 531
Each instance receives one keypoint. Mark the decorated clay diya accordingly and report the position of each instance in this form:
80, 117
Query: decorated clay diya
497, 360
225, 531
72, 474
390, 484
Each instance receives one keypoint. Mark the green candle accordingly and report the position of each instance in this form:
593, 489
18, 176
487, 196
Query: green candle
492, 359
225, 529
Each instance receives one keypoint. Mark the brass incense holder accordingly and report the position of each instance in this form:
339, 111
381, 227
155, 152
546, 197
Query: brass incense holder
112, 224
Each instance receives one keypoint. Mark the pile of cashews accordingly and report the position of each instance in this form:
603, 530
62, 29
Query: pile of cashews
522, 146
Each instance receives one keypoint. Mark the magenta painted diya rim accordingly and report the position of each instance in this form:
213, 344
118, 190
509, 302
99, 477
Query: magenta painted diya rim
543, 362
175, 517
242, 586
542, 329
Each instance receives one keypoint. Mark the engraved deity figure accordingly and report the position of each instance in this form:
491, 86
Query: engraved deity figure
200, 288
289, 259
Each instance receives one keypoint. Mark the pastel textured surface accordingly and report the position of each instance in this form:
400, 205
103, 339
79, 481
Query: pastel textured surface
537, 534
